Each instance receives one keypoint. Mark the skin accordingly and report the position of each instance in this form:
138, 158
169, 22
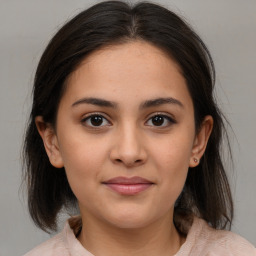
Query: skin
127, 143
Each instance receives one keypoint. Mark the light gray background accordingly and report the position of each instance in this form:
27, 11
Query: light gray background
227, 26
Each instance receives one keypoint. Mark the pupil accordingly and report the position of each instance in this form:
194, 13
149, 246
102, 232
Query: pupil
158, 120
96, 120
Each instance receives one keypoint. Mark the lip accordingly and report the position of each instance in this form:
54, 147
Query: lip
128, 186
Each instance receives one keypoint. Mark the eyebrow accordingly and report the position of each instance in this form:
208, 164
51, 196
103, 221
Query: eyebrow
95, 101
160, 101
143, 105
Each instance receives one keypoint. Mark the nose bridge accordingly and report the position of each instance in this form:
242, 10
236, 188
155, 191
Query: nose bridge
129, 141
128, 147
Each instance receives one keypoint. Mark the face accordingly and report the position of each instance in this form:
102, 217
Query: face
125, 134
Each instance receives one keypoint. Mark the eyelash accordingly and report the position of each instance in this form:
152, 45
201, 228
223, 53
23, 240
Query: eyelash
88, 117
167, 118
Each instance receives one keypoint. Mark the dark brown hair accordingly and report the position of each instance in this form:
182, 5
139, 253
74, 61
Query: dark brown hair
206, 192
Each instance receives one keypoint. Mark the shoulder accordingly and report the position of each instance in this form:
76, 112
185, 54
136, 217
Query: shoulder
229, 243
207, 241
63, 244
52, 247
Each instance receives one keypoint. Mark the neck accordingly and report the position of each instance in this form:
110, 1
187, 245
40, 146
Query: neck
158, 238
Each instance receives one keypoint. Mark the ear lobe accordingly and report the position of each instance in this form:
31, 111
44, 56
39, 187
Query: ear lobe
201, 141
50, 141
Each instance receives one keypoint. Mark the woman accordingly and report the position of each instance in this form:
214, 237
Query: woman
124, 126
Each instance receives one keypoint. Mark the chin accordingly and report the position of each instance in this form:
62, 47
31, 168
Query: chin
129, 224
130, 219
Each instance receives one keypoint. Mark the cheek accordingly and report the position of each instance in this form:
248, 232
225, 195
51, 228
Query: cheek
173, 153
172, 158
83, 162
80, 151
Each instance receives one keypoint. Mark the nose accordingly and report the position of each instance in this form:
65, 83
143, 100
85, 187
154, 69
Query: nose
128, 147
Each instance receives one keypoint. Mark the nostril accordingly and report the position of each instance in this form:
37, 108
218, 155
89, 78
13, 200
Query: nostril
128, 163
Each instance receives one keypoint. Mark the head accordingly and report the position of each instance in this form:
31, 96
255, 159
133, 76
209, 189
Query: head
106, 28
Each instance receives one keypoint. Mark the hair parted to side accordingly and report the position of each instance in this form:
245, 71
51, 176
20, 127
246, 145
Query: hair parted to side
206, 192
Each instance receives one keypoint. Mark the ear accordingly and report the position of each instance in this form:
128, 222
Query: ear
50, 141
200, 141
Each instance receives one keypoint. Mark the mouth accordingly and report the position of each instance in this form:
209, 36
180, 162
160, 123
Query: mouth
128, 186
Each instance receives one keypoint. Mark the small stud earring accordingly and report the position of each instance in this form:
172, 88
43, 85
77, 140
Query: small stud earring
195, 160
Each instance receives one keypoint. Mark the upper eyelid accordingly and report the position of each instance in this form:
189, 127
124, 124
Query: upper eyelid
87, 115
161, 114
148, 116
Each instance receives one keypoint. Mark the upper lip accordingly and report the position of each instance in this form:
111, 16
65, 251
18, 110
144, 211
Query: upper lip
128, 181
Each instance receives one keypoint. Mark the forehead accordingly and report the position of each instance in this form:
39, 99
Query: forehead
134, 70
122, 59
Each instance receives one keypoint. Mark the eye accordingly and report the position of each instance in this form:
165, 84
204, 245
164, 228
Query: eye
95, 120
160, 120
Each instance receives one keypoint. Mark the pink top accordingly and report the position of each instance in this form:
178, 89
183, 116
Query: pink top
201, 240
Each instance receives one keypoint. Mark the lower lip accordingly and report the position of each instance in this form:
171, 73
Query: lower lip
129, 189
